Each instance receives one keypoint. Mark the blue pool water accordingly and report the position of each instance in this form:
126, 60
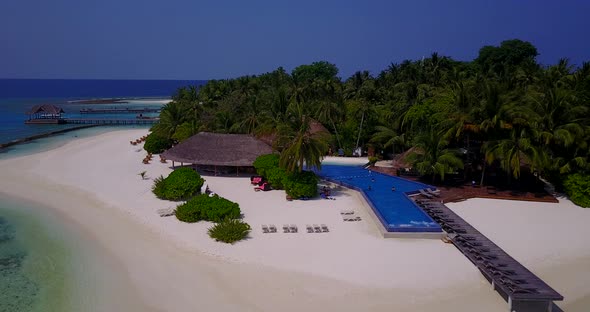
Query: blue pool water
393, 208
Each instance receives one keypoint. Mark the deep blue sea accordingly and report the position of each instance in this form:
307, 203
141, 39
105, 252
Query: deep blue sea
19, 95
42, 265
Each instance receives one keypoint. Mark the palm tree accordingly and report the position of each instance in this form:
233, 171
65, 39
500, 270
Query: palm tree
433, 157
513, 151
171, 116
298, 145
252, 118
389, 136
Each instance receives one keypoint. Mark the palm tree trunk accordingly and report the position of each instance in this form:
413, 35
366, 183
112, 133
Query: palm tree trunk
483, 172
360, 129
336, 131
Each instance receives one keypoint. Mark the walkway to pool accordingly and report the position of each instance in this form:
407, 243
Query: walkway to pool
388, 197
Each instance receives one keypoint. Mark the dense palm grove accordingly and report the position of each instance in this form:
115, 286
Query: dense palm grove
494, 120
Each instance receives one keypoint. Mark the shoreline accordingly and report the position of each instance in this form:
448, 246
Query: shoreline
350, 268
43, 135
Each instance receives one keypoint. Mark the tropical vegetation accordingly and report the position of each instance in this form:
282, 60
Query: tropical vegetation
204, 207
499, 119
182, 183
229, 230
156, 143
297, 184
577, 187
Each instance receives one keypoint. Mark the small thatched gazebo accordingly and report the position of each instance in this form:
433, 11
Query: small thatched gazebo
45, 113
218, 150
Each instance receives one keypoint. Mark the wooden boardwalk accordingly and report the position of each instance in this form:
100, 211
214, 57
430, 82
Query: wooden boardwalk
119, 110
515, 283
138, 121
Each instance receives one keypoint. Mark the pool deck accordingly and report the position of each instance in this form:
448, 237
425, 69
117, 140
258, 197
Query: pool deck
459, 193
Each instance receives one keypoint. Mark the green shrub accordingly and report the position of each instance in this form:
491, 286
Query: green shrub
266, 162
156, 144
373, 160
203, 207
301, 184
276, 176
229, 231
158, 187
182, 183
577, 187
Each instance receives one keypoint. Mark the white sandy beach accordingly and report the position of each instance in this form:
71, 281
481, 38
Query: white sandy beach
174, 266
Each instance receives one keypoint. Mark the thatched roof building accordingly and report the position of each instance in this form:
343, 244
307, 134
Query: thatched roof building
46, 110
216, 149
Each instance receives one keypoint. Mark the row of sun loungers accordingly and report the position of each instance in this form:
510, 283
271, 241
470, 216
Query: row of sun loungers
292, 228
317, 228
507, 275
428, 193
348, 215
138, 140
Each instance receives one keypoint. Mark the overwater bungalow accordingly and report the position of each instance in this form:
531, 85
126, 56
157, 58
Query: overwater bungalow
45, 114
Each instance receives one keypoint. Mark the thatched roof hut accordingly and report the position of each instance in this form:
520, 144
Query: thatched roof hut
45, 111
217, 149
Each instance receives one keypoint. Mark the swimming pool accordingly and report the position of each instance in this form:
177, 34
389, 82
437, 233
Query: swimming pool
396, 211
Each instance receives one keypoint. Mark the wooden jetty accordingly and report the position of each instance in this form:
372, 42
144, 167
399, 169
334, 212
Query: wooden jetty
119, 110
515, 283
137, 121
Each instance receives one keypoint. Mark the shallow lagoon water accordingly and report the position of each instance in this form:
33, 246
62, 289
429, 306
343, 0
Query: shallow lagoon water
33, 260
48, 262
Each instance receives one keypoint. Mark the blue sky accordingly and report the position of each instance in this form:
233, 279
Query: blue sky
191, 39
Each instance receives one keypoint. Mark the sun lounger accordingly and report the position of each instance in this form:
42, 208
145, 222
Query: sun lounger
423, 193
309, 228
433, 192
272, 228
324, 228
293, 228
351, 218
166, 212
285, 228
265, 229
317, 228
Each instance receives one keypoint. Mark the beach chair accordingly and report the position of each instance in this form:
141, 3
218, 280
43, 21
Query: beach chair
309, 228
317, 228
423, 193
272, 228
285, 228
264, 187
324, 228
435, 193
351, 218
293, 228
265, 229
255, 180
166, 212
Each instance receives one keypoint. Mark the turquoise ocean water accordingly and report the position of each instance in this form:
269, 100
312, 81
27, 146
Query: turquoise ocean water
45, 263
